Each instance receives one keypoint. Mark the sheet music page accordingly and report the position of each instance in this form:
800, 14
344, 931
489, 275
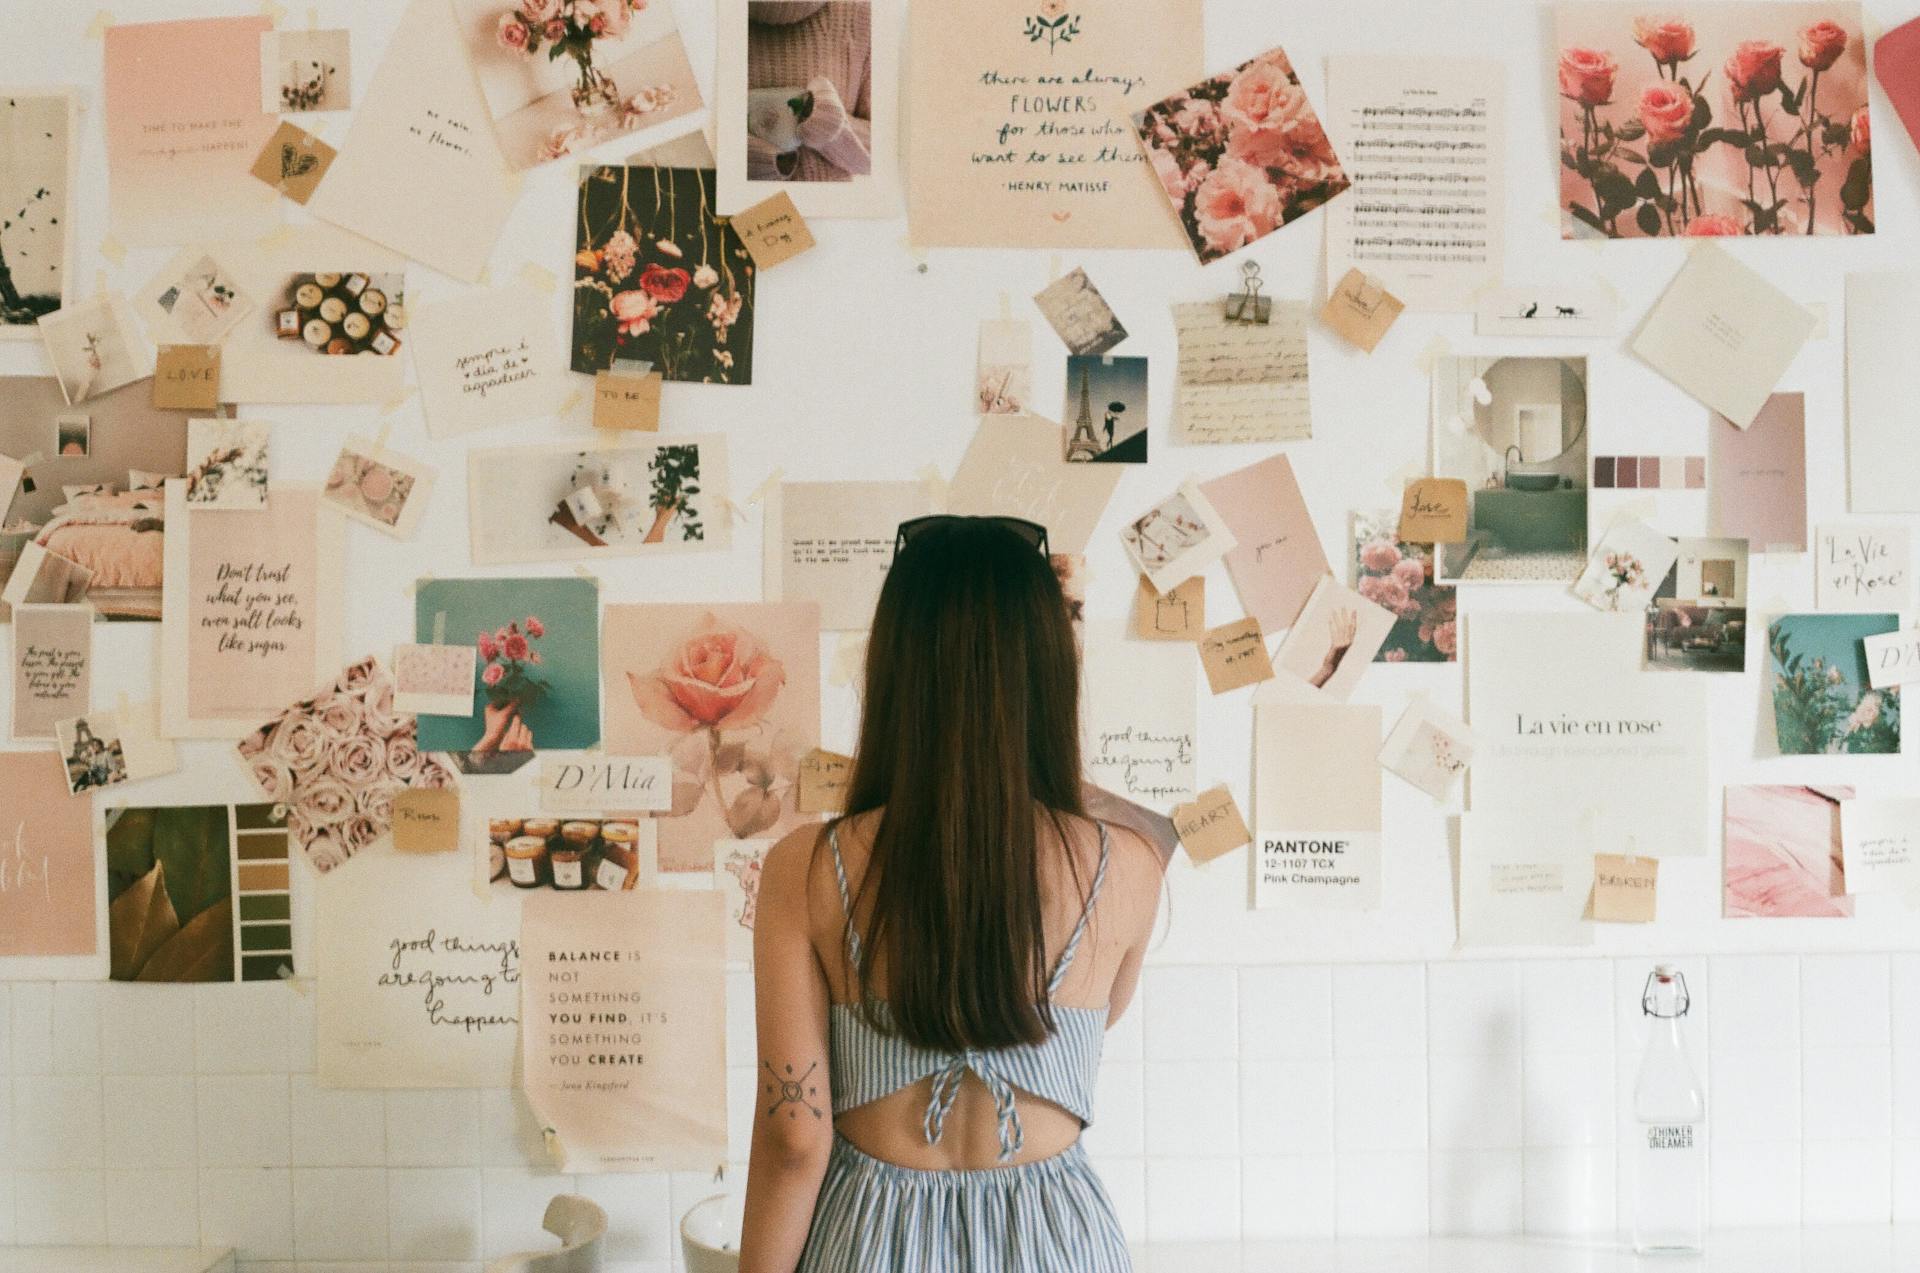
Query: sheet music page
1424, 140
1241, 382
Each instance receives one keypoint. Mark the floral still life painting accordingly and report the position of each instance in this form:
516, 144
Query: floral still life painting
1822, 705
1721, 119
335, 761
1397, 576
1240, 155
659, 278
731, 694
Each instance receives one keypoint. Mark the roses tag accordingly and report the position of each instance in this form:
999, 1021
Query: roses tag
426, 820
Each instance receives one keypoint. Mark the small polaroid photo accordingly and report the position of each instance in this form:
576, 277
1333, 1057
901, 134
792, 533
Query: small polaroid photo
96, 347
382, 488
227, 464
1429, 748
105, 749
72, 435
45, 578
1330, 645
1080, 314
1177, 538
1005, 368
1627, 567
433, 680
192, 301
305, 71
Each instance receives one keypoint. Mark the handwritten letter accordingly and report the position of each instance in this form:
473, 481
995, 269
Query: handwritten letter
1241, 382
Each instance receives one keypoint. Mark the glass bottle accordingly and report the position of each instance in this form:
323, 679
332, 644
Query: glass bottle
1670, 1109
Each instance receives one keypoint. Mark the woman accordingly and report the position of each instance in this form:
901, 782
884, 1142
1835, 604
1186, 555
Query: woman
934, 970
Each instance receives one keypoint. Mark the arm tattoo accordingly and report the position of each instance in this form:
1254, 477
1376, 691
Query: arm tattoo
791, 1092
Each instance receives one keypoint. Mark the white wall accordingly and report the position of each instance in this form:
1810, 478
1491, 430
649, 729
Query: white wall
1257, 1088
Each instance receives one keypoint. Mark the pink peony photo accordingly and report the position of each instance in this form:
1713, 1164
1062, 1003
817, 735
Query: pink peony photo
1240, 155
1712, 120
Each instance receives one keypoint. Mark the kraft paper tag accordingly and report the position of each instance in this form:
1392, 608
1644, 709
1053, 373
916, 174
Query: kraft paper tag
1178, 614
772, 230
426, 820
1433, 510
1623, 888
1361, 310
187, 378
293, 161
824, 779
622, 401
1235, 655
1211, 826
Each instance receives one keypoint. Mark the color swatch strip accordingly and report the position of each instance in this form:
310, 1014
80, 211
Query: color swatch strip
1650, 472
263, 917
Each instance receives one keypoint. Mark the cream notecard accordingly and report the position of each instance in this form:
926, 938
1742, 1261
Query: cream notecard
1880, 843
421, 171
487, 358
1723, 333
1893, 658
1863, 567
1525, 877
1139, 719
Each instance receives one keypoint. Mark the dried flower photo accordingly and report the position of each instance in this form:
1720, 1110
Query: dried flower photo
659, 277
1177, 538
304, 71
193, 300
1240, 155
381, 488
1628, 565
559, 503
36, 184
1717, 119
96, 347
1429, 748
728, 692
335, 761
227, 463
1822, 705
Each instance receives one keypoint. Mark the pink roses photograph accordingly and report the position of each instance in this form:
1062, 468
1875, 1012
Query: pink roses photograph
1715, 119
1240, 155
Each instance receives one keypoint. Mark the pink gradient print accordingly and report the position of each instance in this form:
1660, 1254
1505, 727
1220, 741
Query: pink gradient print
1783, 852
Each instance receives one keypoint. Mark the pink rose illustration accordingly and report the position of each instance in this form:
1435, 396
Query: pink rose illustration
1586, 75
1666, 40
491, 677
357, 761
720, 678
535, 628
403, 757
325, 801
1822, 44
1666, 109
1262, 95
513, 34
1859, 131
1410, 571
1753, 69
1235, 205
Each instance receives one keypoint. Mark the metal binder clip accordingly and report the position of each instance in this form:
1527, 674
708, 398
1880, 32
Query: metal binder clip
1248, 306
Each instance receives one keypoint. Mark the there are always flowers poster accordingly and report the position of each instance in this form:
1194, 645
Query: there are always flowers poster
731, 693
1718, 119
658, 277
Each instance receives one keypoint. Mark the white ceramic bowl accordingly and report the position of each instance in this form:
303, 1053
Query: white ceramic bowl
710, 1234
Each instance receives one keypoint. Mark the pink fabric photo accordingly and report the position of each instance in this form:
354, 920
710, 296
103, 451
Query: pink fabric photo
1783, 852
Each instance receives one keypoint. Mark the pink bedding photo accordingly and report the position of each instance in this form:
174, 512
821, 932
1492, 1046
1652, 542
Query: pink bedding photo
119, 538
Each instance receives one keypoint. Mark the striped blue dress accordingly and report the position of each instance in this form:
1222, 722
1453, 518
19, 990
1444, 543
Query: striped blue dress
1048, 1216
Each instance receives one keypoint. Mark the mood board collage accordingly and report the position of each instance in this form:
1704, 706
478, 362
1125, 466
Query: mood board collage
532, 239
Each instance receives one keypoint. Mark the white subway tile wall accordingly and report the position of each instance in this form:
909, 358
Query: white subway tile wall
1290, 1101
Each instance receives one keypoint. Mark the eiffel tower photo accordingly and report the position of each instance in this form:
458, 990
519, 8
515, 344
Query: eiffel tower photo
1084, 445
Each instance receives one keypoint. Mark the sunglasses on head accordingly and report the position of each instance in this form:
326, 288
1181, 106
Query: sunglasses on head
1033, 532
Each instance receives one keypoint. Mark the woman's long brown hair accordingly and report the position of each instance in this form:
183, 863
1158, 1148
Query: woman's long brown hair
968, 740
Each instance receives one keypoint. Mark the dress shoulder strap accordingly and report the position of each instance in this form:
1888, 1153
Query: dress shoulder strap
846, 900
1086, 913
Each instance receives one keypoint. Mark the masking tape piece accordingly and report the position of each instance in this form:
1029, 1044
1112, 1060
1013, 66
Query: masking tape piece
273, 11
397, 401
98, 27
538, 276
1436, 349
847, 658
760, 491
571, 401
113, 250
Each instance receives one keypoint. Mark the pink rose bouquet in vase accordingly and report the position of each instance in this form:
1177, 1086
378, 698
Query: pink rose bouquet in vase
1240, 155
507, 660
569, 28
715, 691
